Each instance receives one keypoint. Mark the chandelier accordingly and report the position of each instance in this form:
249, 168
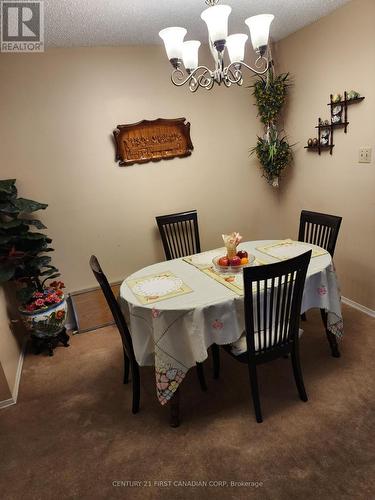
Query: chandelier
184, 55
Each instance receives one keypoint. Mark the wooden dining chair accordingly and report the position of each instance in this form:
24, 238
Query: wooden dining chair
322, 230
179, 234
127, 344
319, 229
272, 301
130, 362
180, 237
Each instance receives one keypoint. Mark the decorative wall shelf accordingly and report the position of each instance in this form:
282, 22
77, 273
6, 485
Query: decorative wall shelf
339, 119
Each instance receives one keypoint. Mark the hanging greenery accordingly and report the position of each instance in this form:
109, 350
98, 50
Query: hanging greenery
274, 154
270, 93
273, 150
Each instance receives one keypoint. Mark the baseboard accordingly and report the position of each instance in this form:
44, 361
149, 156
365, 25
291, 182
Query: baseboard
13, 399
359, 307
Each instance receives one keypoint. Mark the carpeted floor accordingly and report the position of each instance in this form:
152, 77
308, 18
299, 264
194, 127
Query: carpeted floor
72, 435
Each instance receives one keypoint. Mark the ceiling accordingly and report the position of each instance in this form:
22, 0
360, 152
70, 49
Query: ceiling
131, 22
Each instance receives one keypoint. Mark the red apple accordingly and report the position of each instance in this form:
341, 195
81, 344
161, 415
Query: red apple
223, 261
235, 261
242, 254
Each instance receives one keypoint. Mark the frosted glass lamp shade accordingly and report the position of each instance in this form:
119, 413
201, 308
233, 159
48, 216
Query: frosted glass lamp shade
259, 27
173, 39
190, 51
236, 47
216, 19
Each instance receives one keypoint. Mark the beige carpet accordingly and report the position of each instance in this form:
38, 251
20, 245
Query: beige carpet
72, 434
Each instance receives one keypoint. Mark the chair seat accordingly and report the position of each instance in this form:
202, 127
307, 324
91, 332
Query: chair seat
240, 346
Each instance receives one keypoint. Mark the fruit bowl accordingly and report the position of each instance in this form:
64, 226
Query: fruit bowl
231, 269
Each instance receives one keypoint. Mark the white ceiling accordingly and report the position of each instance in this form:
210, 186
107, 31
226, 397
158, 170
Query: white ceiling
127, 22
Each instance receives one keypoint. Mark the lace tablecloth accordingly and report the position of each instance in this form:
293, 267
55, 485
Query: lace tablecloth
175, 333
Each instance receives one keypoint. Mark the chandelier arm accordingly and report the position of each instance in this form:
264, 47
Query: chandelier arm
178, 77
254, 70
233, 77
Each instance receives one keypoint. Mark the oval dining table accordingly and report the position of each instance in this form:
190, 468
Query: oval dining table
174, 331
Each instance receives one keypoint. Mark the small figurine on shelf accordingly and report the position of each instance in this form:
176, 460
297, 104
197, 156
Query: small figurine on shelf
353, 94
315, 142
336, 98
310, 142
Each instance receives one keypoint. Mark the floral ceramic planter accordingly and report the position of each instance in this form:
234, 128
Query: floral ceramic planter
50, 319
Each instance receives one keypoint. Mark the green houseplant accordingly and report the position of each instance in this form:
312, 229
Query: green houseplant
24, 259
273, 150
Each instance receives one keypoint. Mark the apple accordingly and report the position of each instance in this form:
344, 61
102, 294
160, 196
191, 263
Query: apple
242, 254
235, 261
223, 261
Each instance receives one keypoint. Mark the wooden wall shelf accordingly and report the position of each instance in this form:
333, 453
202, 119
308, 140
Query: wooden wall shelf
342, 114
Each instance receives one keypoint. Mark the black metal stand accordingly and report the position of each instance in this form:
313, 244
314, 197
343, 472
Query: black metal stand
48, 340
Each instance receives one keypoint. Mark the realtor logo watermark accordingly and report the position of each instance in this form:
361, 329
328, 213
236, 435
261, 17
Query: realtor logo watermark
22, 26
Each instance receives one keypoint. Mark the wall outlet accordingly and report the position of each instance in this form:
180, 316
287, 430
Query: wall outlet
365, 155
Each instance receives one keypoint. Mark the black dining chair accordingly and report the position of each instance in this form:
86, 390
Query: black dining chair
179, 234
272, 301
319, 229
180, 237
130, 362
322, 230
127, 344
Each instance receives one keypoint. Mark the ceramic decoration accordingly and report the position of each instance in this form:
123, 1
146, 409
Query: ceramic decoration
51, 319
353, 94
336, 98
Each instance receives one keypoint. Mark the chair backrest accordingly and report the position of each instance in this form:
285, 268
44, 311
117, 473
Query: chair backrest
273, 296
114, 307
319, 229
179, 234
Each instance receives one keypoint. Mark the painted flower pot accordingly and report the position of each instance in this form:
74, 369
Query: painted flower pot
49, 319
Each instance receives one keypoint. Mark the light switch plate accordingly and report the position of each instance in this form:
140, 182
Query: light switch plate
365, 155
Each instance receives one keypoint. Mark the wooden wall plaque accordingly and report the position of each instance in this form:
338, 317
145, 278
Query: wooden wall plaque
154, 140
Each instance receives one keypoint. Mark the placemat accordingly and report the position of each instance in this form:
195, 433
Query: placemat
157, 287
204, 259
232, 281
288, 249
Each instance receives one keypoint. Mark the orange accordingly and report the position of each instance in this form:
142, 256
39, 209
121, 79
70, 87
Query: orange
244, 261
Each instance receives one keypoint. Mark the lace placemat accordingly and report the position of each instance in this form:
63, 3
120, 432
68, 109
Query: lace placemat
288, 249
157, 287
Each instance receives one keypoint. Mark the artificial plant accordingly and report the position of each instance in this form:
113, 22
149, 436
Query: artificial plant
273, 150
22, 249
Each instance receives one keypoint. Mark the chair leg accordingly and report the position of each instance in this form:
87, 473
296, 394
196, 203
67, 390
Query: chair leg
175, 409
298, 374
136, 387
303, 317
126, 368
202, 380
215, 349
255, 392
330, 336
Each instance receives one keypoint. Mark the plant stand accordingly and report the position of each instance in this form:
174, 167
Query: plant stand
42, 340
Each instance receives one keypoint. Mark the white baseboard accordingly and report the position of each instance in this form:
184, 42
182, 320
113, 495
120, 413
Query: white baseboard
13, 399
359, 307
6, 403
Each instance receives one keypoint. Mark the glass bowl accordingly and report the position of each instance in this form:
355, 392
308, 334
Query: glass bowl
231, 269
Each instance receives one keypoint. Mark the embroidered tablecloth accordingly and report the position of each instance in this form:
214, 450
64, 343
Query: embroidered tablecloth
175, 334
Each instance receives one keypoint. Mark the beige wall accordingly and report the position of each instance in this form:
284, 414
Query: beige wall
58, 113
335, 54
10, 348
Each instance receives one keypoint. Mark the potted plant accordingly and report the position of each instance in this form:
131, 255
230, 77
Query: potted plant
23, 259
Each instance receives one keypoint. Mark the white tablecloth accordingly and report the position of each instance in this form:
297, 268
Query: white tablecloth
175, 333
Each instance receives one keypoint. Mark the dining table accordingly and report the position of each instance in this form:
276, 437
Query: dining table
177, 309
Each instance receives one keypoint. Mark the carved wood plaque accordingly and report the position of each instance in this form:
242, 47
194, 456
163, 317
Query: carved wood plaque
154, 140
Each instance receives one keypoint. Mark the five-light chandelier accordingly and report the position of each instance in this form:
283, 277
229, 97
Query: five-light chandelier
185, 54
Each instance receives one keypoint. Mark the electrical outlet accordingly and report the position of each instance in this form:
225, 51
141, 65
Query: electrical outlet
365, 155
